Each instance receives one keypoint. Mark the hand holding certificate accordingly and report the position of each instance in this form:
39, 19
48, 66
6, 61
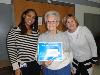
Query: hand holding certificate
50, 51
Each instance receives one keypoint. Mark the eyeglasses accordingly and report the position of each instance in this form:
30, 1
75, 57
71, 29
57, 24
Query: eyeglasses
52, 21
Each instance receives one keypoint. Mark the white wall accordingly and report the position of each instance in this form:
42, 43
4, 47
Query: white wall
81, 9
98, 1
5, 1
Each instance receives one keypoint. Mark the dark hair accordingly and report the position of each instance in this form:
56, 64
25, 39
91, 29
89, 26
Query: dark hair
22, 26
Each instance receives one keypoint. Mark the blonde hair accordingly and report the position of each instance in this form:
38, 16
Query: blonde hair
64, 20
52, 13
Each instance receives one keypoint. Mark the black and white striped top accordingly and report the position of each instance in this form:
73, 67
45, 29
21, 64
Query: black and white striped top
22, 47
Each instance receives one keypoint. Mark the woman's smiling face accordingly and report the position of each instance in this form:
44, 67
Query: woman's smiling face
52, 23
71, 24
29, 18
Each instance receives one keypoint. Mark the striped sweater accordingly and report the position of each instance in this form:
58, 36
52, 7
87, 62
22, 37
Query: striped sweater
21, 48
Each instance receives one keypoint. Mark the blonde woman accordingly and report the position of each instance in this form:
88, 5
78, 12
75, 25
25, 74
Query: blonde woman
82, 44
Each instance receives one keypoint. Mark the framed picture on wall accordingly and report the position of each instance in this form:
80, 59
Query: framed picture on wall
40, 20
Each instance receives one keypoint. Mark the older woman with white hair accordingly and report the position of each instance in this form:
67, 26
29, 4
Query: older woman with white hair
52, 67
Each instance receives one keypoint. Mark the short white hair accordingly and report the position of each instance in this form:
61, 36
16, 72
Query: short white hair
52, 13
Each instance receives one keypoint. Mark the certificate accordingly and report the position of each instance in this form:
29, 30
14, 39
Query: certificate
50, 51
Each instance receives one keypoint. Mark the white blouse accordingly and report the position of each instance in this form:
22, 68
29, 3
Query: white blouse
82, 44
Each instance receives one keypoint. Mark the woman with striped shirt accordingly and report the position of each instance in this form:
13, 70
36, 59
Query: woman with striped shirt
22, 45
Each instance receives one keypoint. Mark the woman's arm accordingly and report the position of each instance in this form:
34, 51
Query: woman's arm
91, 43
11, 45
